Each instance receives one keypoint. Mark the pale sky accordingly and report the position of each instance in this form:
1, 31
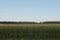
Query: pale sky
30, 10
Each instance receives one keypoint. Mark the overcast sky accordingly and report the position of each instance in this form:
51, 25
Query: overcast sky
30, 10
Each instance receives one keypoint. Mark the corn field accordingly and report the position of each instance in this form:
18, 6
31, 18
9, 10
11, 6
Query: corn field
32, 32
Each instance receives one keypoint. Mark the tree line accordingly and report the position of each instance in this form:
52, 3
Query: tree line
46, 22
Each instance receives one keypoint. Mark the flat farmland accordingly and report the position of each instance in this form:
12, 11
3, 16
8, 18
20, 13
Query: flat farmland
29, 25
29, 31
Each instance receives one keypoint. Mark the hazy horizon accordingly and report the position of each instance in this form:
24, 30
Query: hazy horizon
30, 10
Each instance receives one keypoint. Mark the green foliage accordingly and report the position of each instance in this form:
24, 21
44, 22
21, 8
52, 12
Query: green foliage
30, 32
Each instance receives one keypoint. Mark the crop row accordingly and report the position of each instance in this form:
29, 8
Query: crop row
29, 33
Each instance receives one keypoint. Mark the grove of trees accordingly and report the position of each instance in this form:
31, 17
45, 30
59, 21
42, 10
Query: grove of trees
46, 22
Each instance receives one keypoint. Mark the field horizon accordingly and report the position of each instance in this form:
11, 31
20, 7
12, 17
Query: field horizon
29, 24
